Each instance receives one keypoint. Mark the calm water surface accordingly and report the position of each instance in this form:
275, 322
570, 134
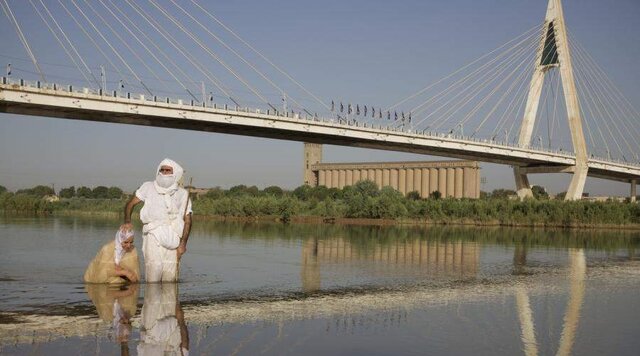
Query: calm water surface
276, 289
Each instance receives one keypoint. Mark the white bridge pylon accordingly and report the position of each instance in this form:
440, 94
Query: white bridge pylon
554, 53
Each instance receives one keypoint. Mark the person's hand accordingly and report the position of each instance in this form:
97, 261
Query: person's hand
123, 272
181, 250
126, 226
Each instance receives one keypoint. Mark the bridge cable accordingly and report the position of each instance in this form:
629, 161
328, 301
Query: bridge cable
70, 44
592, 116
508, 92
93, 41
592, 97
589, 101
206, 29
476, 86
513, 113
606, 91
261, 55
155, 75
628, 107
546, 108
461, 81
610, 87
594, 144
491, 76
601, 104
548, 85
555, 120
520, 109
543, 104
534, 65
437, 97
481, 103
457, 71
468, 88
603, 99
135, 54
442, 94
211, 53
509, 111
596, 74
544, 94
64, 47
111, 47
555, 124
7, 11
22, 59
176, 44
133, 24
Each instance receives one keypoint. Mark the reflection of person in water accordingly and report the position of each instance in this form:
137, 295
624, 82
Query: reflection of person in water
116, 262
116, 306
163, 329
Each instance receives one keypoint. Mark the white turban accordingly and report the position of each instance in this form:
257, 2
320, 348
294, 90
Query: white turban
121, 236
174, 178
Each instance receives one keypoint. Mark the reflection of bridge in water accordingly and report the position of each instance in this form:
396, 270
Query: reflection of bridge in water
436, 259
250, 325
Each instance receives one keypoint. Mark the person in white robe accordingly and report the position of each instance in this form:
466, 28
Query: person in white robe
166, 215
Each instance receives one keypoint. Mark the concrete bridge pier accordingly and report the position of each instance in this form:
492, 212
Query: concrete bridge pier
576, 187
523, 188
633, 190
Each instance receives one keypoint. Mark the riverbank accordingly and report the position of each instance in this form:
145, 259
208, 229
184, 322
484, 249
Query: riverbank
363, 204
372, 222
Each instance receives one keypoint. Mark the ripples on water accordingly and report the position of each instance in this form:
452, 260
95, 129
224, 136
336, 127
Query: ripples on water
326, 289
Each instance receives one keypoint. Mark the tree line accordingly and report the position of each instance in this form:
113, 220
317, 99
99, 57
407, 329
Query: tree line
99, 192
31, 200
362, 200
365, 200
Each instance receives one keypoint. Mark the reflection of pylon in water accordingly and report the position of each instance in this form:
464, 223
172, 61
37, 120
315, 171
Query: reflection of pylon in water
577, 273
572, 315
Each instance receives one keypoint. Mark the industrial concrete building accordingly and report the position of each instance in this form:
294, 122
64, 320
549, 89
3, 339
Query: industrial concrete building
457, 179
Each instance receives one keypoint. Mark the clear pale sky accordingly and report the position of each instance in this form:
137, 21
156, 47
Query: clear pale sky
372, 52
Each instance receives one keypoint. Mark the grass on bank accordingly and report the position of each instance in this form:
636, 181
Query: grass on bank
362, 200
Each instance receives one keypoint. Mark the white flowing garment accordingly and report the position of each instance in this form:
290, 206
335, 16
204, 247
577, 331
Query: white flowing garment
164, 208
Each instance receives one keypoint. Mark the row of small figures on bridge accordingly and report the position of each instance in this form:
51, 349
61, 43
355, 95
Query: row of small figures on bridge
351, 110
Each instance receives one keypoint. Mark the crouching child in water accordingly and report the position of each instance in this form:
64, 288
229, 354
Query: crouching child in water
116, 262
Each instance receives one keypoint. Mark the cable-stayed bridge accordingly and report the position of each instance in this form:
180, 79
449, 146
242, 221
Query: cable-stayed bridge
539, 102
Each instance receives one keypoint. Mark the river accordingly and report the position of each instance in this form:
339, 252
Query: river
276, 289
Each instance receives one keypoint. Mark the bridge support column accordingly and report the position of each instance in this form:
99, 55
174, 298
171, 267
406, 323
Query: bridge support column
633, 190
523, 188
576, 187
312, 155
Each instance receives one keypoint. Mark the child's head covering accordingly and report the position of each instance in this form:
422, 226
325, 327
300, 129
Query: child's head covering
121, 236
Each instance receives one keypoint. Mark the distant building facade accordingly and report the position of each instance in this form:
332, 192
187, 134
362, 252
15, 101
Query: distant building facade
457, 179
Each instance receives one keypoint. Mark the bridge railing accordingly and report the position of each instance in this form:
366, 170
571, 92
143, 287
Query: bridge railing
334, 121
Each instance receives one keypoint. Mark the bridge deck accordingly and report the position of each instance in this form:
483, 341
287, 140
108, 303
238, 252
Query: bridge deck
27, 100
